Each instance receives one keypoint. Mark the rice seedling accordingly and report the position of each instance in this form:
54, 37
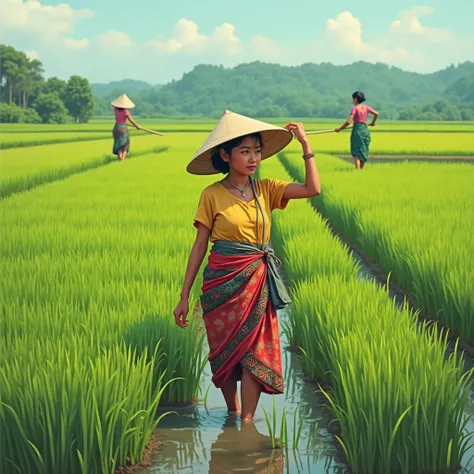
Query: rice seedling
283, 441
423, 236
92, 268
206, 396
397, 402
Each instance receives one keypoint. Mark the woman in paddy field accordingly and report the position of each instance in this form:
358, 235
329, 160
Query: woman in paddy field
242, 289
360, 136
120, 131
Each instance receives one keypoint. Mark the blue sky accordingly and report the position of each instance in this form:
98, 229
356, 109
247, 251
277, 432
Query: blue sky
158, 41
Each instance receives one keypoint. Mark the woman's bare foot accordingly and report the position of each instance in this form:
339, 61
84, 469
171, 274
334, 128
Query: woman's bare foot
247, 420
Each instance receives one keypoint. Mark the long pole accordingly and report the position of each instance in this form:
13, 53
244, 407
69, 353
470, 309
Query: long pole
151, 131
318, 132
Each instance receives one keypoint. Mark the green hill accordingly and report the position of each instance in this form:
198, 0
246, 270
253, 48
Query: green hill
310, 90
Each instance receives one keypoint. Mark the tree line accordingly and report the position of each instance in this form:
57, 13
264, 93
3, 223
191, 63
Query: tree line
25, 95
310, 90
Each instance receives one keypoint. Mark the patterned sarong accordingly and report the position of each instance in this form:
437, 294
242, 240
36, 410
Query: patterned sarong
360, 141
121, 138
241, 292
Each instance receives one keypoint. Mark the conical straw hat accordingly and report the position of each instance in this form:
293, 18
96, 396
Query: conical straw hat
230, 126
123, 102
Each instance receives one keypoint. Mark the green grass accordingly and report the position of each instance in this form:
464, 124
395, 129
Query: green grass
414, 219
397, 401
92, 268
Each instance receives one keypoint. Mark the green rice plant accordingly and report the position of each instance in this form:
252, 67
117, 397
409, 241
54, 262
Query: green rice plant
272, 425
20, 140
421, 143
25, 168
271, 421
415, 220
397, 401
25, 183
74, 414
187, 124
92, 268
206, 396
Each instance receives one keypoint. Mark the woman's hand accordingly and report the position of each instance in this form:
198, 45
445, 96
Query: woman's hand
298, 129
181, 313
337, 129
372, 124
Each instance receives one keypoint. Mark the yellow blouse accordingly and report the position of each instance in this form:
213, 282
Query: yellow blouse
231, 218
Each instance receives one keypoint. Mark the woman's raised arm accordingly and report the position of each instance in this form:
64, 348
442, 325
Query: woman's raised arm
312, 185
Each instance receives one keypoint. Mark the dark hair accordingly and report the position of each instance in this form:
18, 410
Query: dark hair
360, 96
218, 163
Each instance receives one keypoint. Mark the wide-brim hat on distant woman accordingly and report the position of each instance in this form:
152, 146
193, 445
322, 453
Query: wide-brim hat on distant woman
123, 102
230, 126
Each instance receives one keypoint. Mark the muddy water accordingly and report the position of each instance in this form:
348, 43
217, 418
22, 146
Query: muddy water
206, 439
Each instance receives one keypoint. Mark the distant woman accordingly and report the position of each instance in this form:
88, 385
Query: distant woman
360, 136
120, 131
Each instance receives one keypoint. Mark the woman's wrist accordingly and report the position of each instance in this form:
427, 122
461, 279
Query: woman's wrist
306, 146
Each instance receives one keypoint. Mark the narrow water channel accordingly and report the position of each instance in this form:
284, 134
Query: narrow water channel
205, 439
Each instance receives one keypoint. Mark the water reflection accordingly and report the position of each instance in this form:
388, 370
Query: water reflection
212, 441
209, 440
241, 446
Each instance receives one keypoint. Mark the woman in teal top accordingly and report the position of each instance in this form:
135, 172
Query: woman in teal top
360, 136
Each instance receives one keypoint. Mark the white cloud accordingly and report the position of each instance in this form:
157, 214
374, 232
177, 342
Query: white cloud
43, 22
267, 48
409, 24
186, 36
187, 39
114, 39
224, 37
345, 32
76, 44
32, 54
48, 32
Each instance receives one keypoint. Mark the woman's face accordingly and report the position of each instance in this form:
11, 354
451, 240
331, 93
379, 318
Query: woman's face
355, 101
246, 157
